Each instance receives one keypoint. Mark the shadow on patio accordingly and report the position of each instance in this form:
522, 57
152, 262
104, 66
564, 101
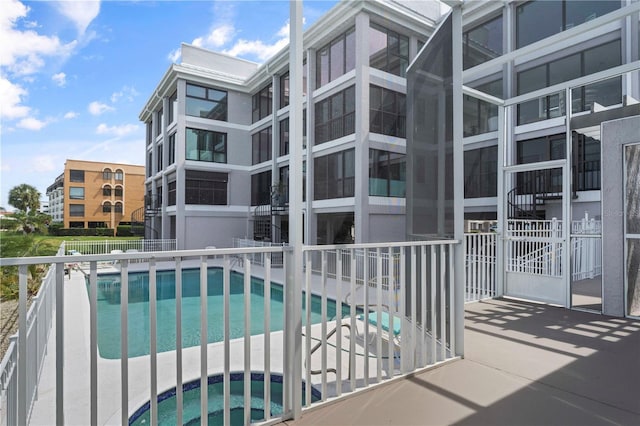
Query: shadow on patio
525, 364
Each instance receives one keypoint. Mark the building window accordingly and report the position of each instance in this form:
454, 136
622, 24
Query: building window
284, 134
606, 93
387, 173
172, 149
541, 149
76, 224
205, 145
118, 208
149, 132
261, 188
173, 107
334, 175
159, 158
479, 116
335, 116
539, 19
118, 191
205, 102
388, 112
76, 175
106, 207
284, 137
481, 172
206, 188
261, 103
76, 210
336, 58
482, 43
149, 164
159, 122
107, 174
171, 195
284, 90
106, 191
261, 146
76, 193
388, 50
586, 163
119, 175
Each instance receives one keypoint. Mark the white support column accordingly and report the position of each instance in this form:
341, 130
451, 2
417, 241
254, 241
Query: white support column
567, 179
458, 183
294, 276
361, 205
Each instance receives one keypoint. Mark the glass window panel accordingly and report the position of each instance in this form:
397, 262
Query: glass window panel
632, 191
197, 91
580, 11
605, 93
377, 48
483, 43
337, 105
76, 193
350, 51
76, 175
322, 67
564, 69
337, 59
532, 79
602, 57
536, 20
284, 90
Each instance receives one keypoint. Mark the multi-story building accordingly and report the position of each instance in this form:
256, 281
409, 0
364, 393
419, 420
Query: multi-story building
539, 110
90, 194
218, 141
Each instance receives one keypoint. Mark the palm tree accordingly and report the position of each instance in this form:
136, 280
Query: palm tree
25, 198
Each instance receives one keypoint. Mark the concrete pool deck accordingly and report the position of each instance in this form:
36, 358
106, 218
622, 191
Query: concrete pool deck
77, 356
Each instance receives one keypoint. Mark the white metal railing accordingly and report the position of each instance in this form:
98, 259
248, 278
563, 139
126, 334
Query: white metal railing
534, 228
39, 318
107, 246
403, 319
480, 266
338, 262
412, 303
586, 261
277, 260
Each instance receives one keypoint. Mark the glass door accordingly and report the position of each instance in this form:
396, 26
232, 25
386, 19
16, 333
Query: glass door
632, 227
585, 246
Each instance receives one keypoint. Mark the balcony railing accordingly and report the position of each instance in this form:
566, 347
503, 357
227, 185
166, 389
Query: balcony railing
404, 319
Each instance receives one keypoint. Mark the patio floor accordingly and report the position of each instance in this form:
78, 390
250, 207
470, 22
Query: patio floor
525, 364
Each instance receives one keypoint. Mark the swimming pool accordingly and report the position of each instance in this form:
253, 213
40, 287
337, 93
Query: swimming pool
108, 310
191, 401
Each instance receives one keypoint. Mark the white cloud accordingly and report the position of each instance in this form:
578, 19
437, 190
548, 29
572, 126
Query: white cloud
44, 163
22, 52
98, 108
31, 123
11, 98
81, 13
174, 55
128, 93
217, 37
257, 48
70, 115
122, 130
60, 79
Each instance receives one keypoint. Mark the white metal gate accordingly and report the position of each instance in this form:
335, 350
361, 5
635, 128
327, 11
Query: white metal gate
535, 235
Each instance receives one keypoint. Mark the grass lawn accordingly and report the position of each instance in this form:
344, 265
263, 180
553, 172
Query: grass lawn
14, 244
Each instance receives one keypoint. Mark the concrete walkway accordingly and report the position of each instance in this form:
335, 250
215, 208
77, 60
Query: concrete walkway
525, 364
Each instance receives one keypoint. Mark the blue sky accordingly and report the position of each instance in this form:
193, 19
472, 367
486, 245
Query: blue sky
74, 75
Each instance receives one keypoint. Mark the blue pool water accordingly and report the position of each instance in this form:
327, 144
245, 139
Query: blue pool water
138, 312
191, 402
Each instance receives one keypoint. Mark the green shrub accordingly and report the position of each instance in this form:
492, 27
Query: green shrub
81, 232
124, 231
